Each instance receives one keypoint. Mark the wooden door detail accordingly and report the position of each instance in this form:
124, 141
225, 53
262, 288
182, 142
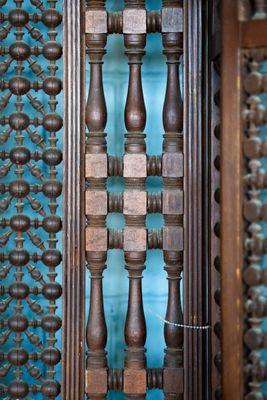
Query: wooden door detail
242, 246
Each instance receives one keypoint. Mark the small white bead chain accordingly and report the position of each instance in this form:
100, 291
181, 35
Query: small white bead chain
185, 326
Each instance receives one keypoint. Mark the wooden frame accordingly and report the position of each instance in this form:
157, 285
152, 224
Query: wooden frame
231, 203
73, 237
193, 254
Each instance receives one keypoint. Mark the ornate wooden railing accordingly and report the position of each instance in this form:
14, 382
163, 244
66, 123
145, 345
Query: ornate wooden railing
134, 23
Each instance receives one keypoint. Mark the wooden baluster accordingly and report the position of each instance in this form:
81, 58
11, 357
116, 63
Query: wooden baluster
259, 9
96, 200
172, 172
135, 200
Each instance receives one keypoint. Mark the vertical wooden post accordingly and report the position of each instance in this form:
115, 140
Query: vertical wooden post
96, 200
231, 206
194, 266
73, 227
135, 200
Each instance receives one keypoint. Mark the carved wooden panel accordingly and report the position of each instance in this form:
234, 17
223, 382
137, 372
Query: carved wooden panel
31, 126
254, 204
243, 227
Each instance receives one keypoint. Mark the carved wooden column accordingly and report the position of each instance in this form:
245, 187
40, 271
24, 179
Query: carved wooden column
96, 200
172, 172
135, 199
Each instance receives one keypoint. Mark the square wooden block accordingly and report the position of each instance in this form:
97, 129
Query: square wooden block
134, 166
173, 238
173, 202
172, 19
134, 381
135, 239
96, 166
134, 21
172, 165
173, 380
96, 239
96, 382
96, 202
134, 202
96, 21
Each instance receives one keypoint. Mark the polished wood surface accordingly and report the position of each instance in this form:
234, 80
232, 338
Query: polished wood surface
173, 210
96, 202
73, 227
253, 33
194, 274
231, 207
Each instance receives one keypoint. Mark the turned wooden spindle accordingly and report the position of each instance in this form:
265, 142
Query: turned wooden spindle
259, 9
96, 203
135, 200
172, 172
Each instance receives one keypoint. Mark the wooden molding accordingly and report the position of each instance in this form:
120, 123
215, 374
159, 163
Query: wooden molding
73, 227
231, 206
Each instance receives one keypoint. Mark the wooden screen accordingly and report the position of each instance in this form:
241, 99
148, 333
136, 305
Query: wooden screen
54, 199
243, 207
188, 161
31, 156
134, 202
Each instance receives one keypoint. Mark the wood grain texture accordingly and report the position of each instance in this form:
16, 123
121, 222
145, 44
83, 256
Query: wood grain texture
194, 296
73, 304
231, 203
253, 33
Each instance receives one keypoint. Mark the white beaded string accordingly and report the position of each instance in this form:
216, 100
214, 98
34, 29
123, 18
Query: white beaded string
185, 326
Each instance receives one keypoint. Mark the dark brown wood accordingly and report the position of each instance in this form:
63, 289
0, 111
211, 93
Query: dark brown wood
96, 201
73, 261
172, 172
211, 146
194, 275
253, 34
135, 200
231, 206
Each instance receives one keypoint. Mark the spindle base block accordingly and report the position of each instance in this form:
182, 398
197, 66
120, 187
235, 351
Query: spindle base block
135, 239
135, 202
96, 382
173, 238
96, 21
134, 382
134, 21
96, 202
173, 380
96, 239
172, 165
135, 166
96, 166
172, 19
173, 202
